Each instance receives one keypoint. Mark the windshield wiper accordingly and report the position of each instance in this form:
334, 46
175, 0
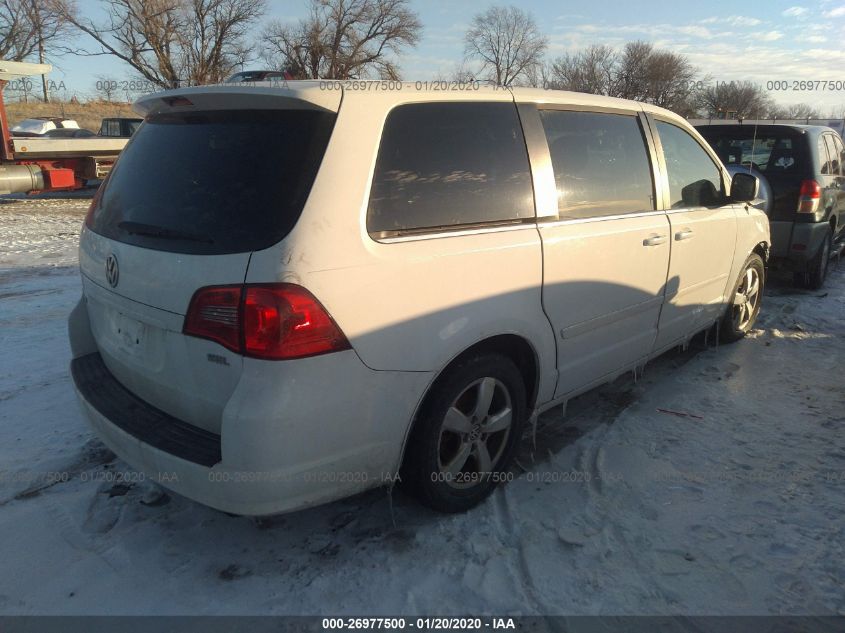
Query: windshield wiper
150, 230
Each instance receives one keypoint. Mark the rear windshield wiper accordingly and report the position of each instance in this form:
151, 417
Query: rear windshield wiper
150, 230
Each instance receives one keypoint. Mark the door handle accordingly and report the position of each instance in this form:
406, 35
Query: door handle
683, 235
654, 240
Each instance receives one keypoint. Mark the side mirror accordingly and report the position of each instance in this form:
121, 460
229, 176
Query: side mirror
744, 187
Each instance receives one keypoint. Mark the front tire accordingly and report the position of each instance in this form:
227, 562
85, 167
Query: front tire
466, 434
745, 301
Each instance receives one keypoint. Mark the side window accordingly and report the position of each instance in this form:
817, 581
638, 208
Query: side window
833, 154
694, 179
600, 163
444, 165
840, 152
824, 158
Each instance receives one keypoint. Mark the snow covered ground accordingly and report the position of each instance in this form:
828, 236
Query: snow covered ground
623, 507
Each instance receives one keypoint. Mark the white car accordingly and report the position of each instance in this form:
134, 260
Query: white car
290, 295
39, 126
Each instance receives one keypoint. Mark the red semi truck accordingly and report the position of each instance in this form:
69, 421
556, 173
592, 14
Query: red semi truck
34, 164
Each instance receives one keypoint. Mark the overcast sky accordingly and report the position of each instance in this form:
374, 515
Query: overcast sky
725, 39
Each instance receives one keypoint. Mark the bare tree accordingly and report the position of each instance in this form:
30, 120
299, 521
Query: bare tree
344, 39
29, 25
632, 75
742, 100
591, 70
459, 74
641, 72
106, 86
536, 77
837, 112
174, 42
508, 43
17, 38
663, 78
672, 81
32, 29
794, 111
462, 75
214, 41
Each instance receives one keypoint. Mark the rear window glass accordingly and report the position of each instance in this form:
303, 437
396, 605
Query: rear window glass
111, 128
446, 165
766, 152
213, 182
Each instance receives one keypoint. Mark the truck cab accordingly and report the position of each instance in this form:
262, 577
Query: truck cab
119, 127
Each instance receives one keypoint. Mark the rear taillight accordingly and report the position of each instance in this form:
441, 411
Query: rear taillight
286, 321
809, 196
215, 314
272, 321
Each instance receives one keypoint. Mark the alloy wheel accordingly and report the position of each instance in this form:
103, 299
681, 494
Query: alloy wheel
474, 433
746, 299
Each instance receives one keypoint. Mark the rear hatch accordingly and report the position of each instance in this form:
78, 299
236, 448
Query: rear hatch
779, 152
212, 175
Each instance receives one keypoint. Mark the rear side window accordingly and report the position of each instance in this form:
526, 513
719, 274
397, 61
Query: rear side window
448, 165
213, 182
824, 158
840, 153
833, 154
694, 179
600, 163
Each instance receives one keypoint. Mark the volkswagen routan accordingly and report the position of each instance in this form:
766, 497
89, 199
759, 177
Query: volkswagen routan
293, 293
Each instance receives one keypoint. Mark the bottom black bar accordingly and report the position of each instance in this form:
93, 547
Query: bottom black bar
308, 624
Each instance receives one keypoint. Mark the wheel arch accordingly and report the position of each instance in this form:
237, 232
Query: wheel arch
513, 346
762, 249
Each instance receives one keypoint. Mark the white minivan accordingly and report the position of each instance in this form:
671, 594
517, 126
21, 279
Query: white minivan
293, 293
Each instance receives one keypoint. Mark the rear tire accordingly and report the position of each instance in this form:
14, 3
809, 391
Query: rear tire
466, 434
745, 301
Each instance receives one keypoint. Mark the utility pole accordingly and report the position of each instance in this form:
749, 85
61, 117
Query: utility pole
36, 14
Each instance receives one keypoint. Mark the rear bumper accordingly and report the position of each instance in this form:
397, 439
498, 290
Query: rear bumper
147, 424
795, 244
262, 464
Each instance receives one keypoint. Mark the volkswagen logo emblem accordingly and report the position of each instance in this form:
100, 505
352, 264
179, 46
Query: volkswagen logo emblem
112, 271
